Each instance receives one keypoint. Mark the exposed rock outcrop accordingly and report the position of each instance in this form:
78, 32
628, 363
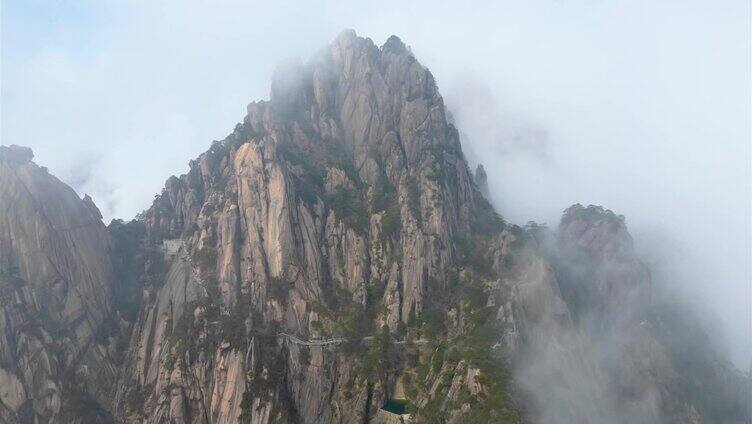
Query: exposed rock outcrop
54, 298
16, 154
481, 180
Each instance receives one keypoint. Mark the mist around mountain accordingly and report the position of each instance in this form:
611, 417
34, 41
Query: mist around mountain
332, 257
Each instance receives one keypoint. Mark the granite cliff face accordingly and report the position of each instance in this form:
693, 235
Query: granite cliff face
333, 255
55, 276
333, 211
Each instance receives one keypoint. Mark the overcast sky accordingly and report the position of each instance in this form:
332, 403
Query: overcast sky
641, 106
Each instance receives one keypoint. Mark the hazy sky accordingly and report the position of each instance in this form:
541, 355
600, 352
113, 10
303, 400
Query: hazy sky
642, 106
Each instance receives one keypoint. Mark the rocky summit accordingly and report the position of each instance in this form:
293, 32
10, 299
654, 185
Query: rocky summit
334, 260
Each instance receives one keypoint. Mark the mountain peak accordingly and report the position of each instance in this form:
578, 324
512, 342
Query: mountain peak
55, 279
596, 229
394, 45
16, 154
347, 35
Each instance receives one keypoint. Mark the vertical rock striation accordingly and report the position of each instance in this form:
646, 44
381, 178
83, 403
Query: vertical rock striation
54, 298
333, 210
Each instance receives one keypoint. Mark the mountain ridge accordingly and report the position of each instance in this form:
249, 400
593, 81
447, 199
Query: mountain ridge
343, 208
